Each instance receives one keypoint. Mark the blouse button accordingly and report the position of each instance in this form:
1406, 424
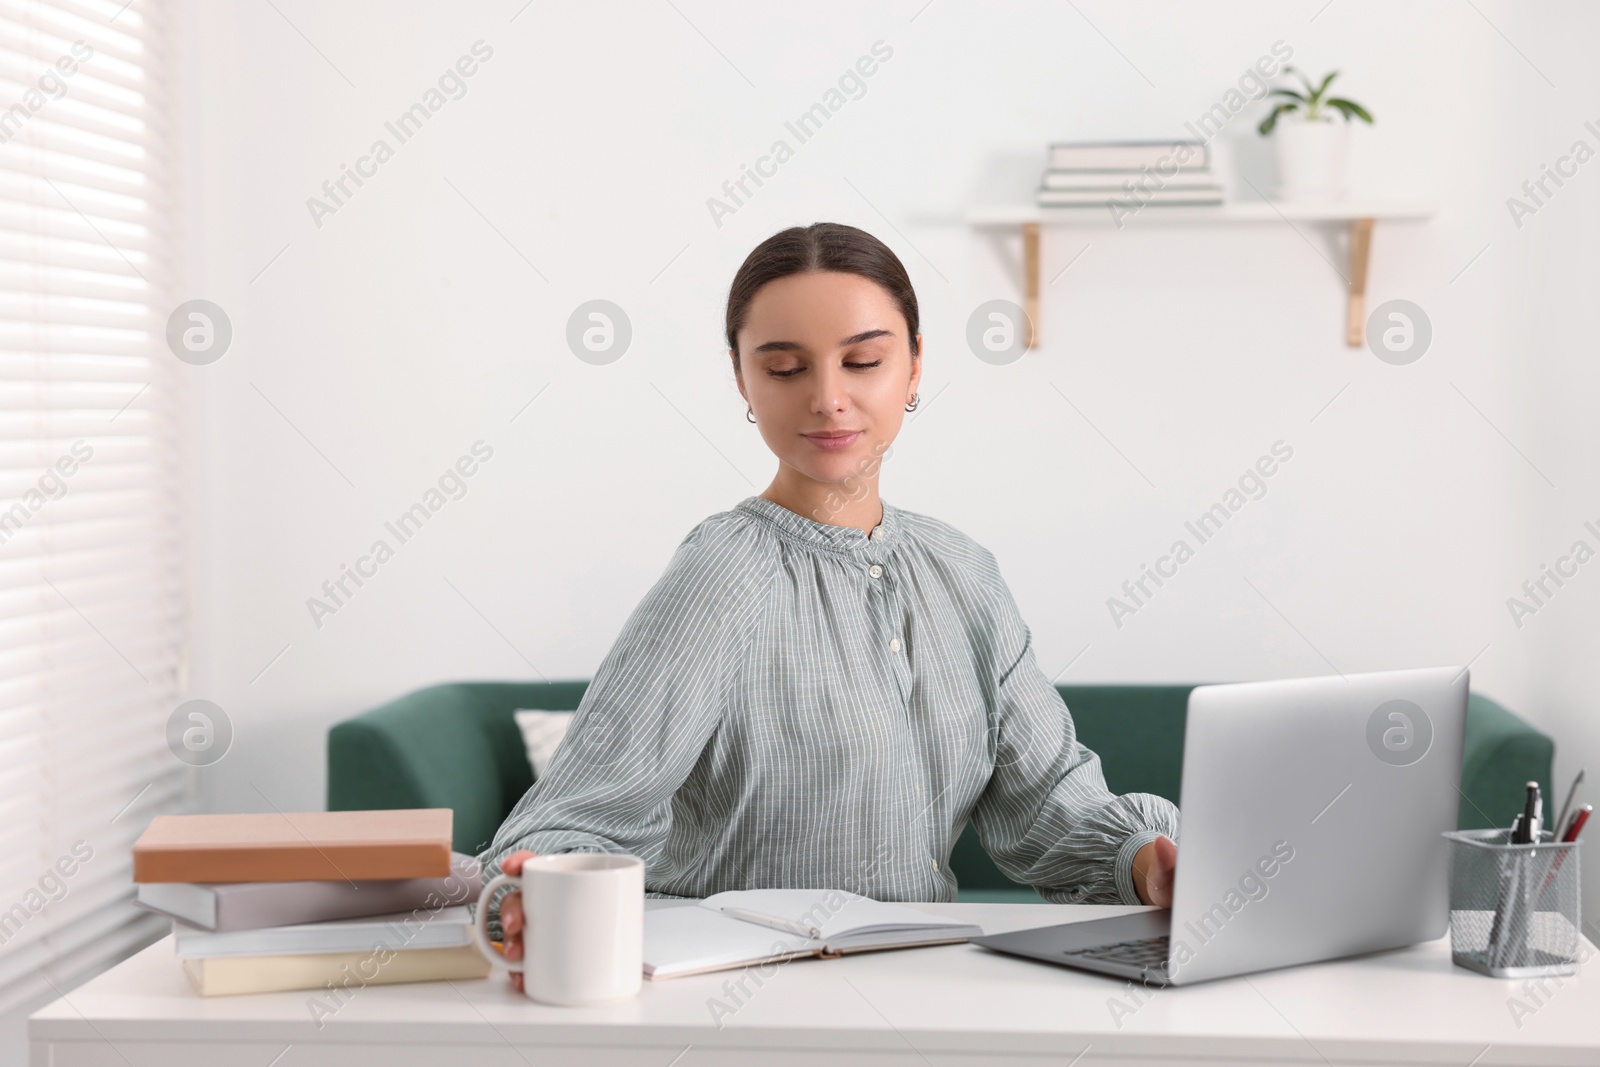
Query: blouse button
875, 570
894, 644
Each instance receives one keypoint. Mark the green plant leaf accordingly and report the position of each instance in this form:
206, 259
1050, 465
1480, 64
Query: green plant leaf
1311, 93
1349, 108
1271, 120
1290, 93
1324, 86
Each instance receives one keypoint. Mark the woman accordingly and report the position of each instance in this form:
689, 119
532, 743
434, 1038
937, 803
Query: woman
823, 688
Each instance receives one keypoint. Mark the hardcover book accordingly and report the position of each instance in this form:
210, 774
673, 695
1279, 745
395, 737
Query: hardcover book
222, 975
225, 906
316, 846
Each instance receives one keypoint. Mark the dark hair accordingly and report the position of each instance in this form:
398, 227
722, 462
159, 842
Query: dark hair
824, 246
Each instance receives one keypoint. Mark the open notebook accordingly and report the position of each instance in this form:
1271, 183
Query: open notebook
739, 928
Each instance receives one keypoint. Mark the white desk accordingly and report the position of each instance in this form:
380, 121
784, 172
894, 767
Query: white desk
950, 1005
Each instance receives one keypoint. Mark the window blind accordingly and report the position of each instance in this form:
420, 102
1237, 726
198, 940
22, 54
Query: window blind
91, 594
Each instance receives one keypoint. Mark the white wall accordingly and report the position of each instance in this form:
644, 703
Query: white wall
375, 349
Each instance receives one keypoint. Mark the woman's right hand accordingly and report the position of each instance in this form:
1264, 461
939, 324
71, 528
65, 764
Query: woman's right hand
511, 913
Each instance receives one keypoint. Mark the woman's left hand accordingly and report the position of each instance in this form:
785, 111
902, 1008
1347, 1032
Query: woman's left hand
1153, 868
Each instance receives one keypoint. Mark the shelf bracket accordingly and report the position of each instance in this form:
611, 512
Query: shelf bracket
1355, 330
1355, 323
1030, 274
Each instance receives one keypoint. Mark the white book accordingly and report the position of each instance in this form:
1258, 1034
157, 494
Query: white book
420, 928
743, 927
1114, 181
221, 975
1089, 198
1129, 155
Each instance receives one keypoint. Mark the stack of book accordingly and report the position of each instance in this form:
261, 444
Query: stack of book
1129, 173
311, 900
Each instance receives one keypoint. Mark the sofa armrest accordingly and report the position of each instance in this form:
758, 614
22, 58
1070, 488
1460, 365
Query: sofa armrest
453, 746
447, 746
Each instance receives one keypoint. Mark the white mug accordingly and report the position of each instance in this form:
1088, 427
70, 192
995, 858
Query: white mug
582, 929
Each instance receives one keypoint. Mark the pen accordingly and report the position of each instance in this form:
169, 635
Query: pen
1510, 888
1561, 820
1510, 906
1575, 824
774, 923
1497, 927
1521, 924
1532, 811
1568, 836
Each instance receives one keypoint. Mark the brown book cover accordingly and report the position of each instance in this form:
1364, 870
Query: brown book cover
306, 846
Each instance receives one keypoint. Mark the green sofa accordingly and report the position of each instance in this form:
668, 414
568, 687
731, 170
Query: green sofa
457, 746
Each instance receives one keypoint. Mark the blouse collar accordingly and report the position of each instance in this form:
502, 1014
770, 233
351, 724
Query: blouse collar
803, 528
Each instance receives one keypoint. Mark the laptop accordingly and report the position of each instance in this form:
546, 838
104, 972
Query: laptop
1313, 811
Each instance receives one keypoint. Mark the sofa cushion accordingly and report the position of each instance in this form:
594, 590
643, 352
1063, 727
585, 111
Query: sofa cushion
542, 732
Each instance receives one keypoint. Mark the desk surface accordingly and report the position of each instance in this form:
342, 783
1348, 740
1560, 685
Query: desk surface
948, 1005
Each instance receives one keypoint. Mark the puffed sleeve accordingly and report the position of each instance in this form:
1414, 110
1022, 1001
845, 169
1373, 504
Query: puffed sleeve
1046, 816
648, 712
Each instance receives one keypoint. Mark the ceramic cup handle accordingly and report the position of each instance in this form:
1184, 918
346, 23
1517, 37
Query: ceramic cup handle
481, 922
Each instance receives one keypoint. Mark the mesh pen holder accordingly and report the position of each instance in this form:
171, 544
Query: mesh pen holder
1513, 908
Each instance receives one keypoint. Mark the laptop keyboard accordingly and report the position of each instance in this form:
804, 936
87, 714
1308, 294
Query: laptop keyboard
1149, 953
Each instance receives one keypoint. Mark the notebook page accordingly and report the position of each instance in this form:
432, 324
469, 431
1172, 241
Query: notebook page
834, 912
689, 939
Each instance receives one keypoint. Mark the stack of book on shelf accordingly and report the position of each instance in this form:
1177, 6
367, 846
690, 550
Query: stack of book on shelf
1128, 173
311, 900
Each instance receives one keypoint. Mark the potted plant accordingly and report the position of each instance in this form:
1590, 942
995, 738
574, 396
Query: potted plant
1311, 143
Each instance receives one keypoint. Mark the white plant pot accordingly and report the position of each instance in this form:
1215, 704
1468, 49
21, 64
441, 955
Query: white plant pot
1310, 159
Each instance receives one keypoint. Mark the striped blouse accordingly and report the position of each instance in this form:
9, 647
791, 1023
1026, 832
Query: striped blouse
803, 705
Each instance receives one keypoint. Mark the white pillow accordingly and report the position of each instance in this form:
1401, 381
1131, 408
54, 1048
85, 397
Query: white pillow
542, 731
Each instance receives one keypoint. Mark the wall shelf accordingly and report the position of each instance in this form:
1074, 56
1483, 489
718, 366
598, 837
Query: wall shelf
1359, 215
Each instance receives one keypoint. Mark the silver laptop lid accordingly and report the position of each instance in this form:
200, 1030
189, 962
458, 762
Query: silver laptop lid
1312, 814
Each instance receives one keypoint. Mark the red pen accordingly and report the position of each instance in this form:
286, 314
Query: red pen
1575, 824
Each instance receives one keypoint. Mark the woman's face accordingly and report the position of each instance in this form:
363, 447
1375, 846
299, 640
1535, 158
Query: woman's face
825, 354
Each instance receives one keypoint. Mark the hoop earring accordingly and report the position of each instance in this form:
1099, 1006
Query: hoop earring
916, 398
749, 416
